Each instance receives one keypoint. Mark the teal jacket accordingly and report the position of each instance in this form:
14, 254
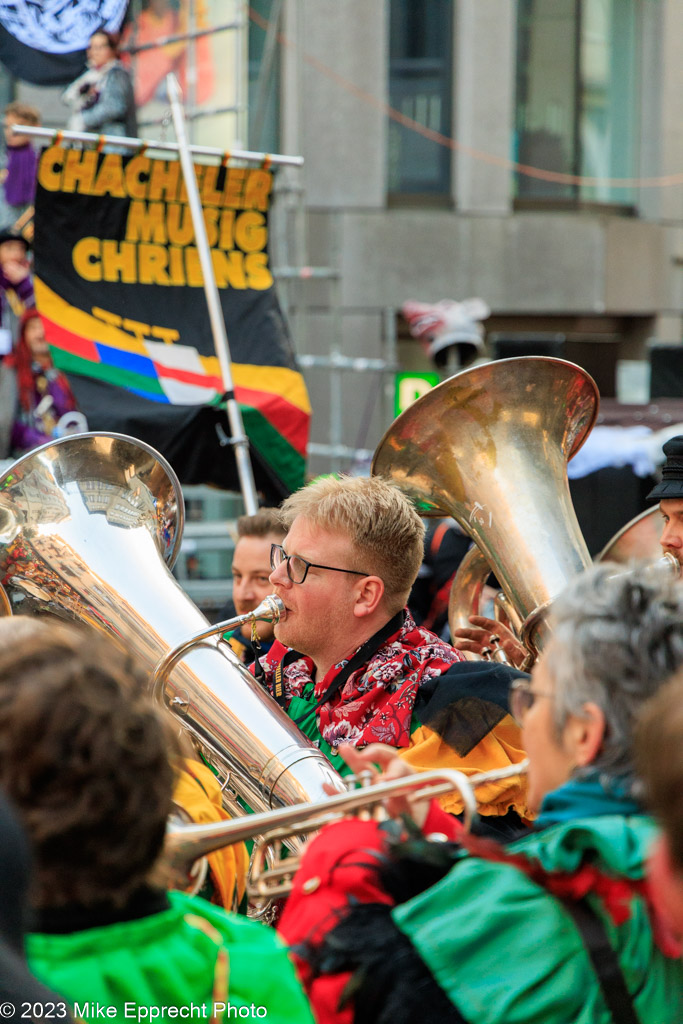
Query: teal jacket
506, 951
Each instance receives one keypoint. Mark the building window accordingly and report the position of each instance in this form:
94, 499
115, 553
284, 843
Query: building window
420, 82
577, 98
201, 42
264, 75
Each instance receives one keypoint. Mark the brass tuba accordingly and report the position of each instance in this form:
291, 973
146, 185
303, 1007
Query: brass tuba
490, 447
637, 541
89, 528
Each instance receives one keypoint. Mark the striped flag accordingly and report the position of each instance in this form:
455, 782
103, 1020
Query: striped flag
119, 287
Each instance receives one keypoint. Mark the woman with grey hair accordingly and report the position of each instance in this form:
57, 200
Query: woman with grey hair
555, 927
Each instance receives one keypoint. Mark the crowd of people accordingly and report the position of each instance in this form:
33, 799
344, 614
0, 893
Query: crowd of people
563, 902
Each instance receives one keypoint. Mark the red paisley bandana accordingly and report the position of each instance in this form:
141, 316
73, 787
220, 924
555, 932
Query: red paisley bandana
375, 705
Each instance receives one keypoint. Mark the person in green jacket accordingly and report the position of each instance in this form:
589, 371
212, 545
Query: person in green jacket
87, 761
556, 926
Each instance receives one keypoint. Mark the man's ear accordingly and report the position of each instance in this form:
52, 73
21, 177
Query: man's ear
585, 734
369, 593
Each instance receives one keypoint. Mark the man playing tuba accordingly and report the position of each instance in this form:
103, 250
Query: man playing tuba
349, 665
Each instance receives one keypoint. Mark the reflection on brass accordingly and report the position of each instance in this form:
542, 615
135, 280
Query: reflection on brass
89, 526
490, 447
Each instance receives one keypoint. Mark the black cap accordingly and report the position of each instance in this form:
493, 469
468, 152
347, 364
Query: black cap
10, 235
671, 484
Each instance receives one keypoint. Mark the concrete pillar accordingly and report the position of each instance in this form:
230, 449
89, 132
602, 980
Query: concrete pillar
484, 82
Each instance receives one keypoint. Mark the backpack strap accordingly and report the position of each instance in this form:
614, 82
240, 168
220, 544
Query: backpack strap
604, 960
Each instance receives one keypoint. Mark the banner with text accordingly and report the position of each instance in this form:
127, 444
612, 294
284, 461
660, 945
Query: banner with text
120, 288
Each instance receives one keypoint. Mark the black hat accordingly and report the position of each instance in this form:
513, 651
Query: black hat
671, 484
10, 235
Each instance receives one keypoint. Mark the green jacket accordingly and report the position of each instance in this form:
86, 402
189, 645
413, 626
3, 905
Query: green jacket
193, 954
505, 951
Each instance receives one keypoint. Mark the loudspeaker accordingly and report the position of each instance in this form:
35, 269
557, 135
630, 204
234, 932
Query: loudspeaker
597, 357
666, 371
594, 355
507, 346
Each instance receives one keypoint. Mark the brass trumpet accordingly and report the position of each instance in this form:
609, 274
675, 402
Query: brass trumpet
187, 843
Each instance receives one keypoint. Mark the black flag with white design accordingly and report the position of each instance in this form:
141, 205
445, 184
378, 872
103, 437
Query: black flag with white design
44, 41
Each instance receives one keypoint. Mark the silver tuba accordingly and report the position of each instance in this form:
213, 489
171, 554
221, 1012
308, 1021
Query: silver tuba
90, 526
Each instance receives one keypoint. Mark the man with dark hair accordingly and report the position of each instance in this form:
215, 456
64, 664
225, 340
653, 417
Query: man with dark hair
669, 493
251, 577
86, 758
660, 761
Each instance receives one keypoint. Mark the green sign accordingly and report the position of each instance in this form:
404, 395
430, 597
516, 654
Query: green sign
411, 386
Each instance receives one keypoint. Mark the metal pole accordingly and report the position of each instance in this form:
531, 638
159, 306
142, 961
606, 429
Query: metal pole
220, 338
136, 144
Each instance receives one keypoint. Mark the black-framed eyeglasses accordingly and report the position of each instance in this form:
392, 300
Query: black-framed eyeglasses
297, 567
523, 698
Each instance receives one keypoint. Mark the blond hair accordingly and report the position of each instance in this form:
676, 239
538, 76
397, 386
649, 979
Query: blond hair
377, 518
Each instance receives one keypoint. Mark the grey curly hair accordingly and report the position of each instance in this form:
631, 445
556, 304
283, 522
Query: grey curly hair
616, 638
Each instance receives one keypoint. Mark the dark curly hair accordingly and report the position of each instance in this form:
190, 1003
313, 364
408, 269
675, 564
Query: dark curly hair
86, 759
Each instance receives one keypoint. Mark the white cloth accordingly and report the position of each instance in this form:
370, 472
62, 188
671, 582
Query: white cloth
77, 95
616, 446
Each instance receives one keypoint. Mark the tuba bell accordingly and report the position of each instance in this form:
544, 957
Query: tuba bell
90, 526
637, 541
490, 447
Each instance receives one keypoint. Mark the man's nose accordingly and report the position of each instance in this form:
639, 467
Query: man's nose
671, 537
279, 576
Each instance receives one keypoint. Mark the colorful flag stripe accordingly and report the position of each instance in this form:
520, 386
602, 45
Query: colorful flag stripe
72, 362
142, 375
280, 381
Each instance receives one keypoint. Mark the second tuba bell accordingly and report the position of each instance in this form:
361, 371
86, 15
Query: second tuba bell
490, 447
